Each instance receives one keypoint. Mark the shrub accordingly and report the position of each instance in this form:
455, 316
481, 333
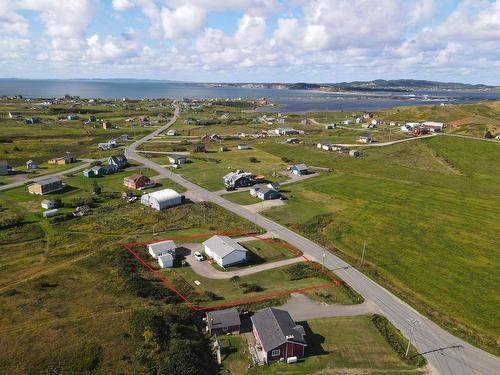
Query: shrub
397, 341
235, 279
248, 288
252, 159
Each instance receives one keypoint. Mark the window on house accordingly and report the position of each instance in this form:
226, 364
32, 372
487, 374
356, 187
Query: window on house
224, 328
276, 352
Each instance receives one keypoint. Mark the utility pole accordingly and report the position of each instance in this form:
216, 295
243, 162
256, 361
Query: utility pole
413, 324
363, 254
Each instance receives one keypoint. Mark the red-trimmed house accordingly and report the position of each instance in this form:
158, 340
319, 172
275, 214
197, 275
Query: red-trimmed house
136, 181
223, 322
277, 335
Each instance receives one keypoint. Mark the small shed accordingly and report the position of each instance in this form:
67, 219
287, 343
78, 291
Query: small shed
354, 153
31, 164
157, 249
50, 213
166, 261
48, 204
243, 146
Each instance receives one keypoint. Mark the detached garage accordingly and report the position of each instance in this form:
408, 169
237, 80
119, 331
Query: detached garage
162, 199
225, 251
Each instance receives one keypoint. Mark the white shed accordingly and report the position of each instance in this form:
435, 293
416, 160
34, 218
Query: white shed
225, 251
166, 261
162, 199
158, 249
48, 204
50, 213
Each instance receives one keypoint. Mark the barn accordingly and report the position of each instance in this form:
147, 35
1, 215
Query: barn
162, 199
225, 251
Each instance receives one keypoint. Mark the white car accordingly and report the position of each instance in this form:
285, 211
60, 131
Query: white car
199, 257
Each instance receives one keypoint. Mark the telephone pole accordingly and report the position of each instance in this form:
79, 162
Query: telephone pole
363, 254
413, 324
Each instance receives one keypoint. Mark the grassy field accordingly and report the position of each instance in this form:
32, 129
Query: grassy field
336, 346
429, 211
69, 292
265, 251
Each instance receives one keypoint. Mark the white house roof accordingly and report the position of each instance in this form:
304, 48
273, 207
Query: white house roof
223, 245
161, 247
165, 258
163, 195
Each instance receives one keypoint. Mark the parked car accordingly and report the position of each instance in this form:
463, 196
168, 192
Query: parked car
199, 257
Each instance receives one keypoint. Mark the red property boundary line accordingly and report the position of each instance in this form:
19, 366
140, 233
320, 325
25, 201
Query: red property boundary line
334, 282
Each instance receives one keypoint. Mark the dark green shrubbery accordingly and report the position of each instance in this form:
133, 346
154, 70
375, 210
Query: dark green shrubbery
397, 341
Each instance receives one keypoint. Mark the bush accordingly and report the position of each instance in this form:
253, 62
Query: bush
284, 159
248, 288
235, 279
397, 341
81, 201
252, 159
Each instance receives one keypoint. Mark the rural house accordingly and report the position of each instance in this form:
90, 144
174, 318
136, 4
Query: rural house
157, 249
31, 164
46, 186
162, 199
136, 181
264, 192
238, 179
243, 146
277, 336
433, 126
68, 158
299, 169
177, 159
225, 251
222, 322
4, 168
119, 161
365, 138
14, 115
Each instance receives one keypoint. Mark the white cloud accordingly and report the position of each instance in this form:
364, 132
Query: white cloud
251, 30
122, 5
183, 20
10, 21
112, 50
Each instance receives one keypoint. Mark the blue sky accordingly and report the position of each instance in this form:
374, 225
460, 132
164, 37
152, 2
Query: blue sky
252, 40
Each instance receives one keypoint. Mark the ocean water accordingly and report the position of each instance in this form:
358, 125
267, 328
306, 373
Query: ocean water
288, 100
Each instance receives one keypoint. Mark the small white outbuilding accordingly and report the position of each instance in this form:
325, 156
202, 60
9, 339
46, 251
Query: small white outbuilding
166, 261
158, 249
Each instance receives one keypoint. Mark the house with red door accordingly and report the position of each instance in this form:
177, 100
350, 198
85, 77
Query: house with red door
277, 336
136, 181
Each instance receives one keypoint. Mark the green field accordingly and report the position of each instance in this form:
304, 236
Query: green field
335, 345
429, 211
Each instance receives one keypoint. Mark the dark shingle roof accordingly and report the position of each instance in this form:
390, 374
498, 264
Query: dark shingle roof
275, 327
223, 318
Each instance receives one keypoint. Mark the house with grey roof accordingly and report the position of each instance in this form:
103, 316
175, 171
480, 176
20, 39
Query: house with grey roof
225, 251
223, 322
264, 192
157, 249
277, 336
299, 169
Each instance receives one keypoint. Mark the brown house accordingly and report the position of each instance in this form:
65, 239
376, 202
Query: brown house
66, 159
223, 322
46, 186
136, 181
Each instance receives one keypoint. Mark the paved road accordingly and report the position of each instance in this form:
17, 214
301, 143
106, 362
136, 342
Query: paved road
303, 308
429, 338
44, 177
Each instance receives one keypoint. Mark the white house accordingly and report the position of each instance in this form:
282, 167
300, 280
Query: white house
166, 261
162, 199
433, 126
225, 251
348, 122
243, 146
158, 249
177, 159
172, 132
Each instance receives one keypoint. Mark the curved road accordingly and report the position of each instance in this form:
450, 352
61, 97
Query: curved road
429, 338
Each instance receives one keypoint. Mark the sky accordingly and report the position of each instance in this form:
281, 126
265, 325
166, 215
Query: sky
252, 40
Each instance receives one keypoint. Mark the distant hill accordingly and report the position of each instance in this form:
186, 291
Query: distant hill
398, 85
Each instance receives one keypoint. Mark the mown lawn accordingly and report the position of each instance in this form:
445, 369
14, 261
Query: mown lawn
429, 211
335, 345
